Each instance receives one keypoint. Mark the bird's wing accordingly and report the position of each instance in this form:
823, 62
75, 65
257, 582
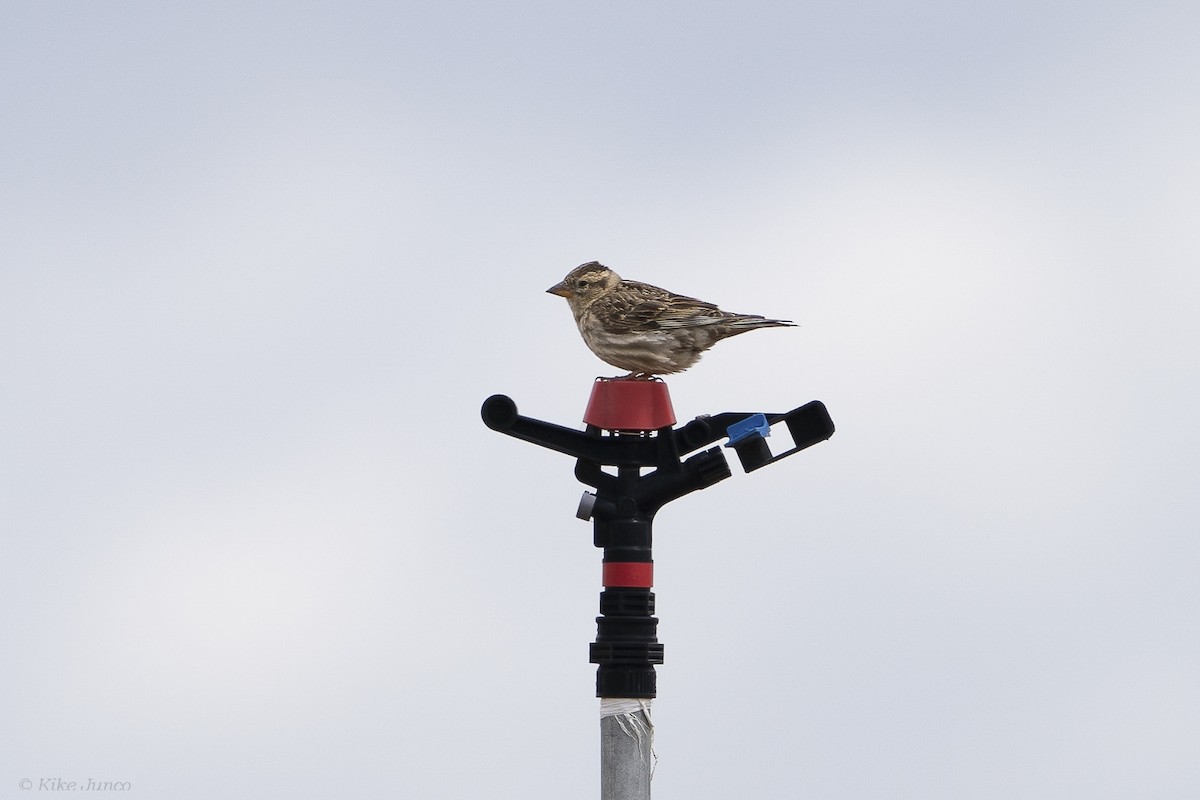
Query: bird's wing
641, 307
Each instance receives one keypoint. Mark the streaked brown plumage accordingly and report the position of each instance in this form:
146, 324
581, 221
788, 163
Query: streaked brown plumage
642, 328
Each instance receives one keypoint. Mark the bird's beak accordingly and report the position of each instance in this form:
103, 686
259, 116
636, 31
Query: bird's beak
561, 290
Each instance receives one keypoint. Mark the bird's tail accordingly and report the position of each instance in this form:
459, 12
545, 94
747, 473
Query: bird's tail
740, 323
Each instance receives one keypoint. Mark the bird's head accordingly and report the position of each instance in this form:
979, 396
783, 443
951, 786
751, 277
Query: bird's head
585, 283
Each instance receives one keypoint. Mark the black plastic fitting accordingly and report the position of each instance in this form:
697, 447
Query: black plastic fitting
622, 509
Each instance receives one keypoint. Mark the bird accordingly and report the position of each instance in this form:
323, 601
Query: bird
645, 329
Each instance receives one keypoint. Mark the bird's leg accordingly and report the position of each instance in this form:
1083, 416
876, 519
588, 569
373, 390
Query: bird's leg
634, 376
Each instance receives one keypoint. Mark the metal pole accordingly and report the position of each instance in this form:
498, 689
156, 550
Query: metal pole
626, 749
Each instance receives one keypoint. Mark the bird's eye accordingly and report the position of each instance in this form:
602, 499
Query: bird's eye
582, 284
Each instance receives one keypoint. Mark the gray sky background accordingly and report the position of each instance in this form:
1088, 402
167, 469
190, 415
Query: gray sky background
261, 263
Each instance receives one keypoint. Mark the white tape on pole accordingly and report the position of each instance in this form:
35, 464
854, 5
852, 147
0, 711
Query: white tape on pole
613, 706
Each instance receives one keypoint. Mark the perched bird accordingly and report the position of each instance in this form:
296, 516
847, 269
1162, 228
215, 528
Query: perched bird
642, 328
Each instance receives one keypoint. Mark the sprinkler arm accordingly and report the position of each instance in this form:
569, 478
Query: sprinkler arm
808, 424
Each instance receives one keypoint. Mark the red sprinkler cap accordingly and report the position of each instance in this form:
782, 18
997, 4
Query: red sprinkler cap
623, 404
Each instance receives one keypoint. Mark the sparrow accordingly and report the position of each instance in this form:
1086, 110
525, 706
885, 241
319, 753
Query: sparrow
644, 329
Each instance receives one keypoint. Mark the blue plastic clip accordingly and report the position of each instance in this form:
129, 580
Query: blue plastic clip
744, 429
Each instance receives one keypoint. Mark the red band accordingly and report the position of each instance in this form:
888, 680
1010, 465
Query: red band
629, 573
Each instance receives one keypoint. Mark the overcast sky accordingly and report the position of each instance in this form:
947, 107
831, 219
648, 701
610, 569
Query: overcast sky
260, 264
